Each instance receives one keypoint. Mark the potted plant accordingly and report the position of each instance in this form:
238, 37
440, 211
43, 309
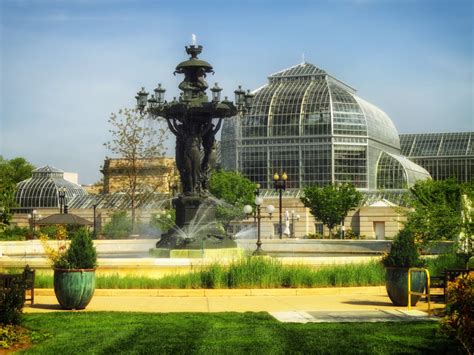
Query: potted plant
403, 255
74, 269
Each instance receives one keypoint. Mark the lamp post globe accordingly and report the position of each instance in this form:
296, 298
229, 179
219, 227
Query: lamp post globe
247, 209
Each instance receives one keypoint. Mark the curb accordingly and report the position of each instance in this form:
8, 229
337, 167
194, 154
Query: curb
224, 292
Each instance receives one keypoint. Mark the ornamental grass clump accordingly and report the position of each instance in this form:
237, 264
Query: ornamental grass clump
404, 251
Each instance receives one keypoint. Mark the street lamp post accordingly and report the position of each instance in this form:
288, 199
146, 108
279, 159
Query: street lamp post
94, 207
33, 217
279, 183
257, 216
294, 217
62, 199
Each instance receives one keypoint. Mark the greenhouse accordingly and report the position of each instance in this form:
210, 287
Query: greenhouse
444, 155
315, 128
42, 189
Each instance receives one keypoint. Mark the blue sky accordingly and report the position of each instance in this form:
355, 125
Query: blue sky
67, 64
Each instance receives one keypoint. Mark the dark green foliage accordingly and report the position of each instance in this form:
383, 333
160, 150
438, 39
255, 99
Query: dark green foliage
15, 170
331, 204
437, 265
7, 202
404, 252
12, 299
436, 210
227, 333
11, 172
120, 226
51, 230
15, 233
235, 191
163, 221
81, 253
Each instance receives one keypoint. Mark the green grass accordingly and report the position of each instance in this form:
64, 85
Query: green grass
262, 273
249, 273
437, 265
225, 333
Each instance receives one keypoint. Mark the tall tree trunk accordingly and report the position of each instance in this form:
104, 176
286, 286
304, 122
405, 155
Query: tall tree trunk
133, 215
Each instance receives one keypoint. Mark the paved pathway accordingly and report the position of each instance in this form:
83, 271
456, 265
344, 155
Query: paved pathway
352, 316
295, 305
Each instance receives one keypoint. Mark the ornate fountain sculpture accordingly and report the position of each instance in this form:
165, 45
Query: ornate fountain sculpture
194, 121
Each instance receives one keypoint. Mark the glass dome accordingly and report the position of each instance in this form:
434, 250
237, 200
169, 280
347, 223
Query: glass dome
41, 190
312, 126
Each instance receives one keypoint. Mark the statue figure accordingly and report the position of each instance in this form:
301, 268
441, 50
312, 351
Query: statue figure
188, 153
192, 158
209, 145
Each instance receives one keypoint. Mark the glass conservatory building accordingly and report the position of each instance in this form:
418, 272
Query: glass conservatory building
444, 155
42, 189
315, 128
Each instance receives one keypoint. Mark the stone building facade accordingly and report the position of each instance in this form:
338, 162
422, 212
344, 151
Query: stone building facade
158, 175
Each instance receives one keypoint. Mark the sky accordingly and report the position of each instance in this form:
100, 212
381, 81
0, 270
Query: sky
66, 65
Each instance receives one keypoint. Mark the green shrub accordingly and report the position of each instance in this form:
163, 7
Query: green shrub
15, 233
350, 234
12, 300
459, 318
437, 265
119, 226
163, 221
314, 236
404, 252
81, 253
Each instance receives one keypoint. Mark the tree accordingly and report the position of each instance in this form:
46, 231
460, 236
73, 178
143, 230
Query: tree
15, 170
331, 204
134, 144
7, 202
235, 191
436, 211
11, 172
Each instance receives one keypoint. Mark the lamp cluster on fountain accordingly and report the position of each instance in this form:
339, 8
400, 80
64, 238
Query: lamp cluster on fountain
157, 106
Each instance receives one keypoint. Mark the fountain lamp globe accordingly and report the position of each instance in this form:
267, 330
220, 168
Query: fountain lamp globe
270, 209
247, 209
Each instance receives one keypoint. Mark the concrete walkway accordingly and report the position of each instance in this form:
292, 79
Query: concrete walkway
293, 305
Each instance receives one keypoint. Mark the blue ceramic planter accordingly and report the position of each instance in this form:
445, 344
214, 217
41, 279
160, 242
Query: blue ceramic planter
397, 285
74, 288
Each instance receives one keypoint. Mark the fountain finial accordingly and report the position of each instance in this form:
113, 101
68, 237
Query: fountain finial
193, 37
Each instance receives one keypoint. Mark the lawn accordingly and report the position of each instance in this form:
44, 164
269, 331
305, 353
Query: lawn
217, 333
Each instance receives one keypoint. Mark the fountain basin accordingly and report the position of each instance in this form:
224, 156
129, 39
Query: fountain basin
218, 254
